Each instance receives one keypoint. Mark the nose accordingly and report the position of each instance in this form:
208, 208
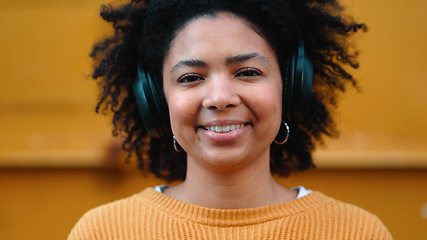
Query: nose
220, 94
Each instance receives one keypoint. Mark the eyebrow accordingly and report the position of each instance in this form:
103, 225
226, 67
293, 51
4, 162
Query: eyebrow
189, 63
246, 56
229, 60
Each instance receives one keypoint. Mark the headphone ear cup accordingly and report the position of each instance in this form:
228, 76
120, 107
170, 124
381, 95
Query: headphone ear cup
151, 105
288, 87
298, 84
162, 112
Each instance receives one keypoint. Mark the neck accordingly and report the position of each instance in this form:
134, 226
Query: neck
247, 187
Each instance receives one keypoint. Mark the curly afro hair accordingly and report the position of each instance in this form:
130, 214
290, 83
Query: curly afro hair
321, 24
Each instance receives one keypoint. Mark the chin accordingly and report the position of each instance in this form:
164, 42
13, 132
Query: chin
230, 159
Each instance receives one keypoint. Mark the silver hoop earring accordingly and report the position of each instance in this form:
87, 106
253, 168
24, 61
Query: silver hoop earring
278, 138
176, 145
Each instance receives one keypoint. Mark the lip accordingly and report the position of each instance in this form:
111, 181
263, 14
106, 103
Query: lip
223, 123
224, 129
223, 137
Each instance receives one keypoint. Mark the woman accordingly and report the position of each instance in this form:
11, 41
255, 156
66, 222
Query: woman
220, 86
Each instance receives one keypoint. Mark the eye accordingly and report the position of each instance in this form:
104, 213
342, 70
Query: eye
189, 78
248, 72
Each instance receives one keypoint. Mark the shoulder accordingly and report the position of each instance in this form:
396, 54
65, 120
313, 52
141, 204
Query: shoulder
349, 211
108, 220
349, 219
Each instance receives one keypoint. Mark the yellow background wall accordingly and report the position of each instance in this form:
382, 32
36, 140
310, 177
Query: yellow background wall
57, 158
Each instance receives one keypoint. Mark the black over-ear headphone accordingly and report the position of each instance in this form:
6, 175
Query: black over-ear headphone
297, 86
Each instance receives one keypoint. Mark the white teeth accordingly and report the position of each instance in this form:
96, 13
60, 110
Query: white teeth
224, 129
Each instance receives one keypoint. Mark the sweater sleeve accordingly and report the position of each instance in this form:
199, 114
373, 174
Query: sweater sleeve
90, 227
116, 220
357, 223
375, 229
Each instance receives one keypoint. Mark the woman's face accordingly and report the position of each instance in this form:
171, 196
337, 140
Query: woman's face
224, 91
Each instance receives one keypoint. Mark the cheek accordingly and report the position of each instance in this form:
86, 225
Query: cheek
181, 112
278, 96
273, 112
270, 102
274, 105
268, 110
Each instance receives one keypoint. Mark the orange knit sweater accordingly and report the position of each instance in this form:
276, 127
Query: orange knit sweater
153, 215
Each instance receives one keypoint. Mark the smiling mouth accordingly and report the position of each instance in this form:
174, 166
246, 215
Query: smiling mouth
224, 129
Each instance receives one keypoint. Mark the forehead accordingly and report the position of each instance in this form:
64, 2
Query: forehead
220, 16
224, 32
